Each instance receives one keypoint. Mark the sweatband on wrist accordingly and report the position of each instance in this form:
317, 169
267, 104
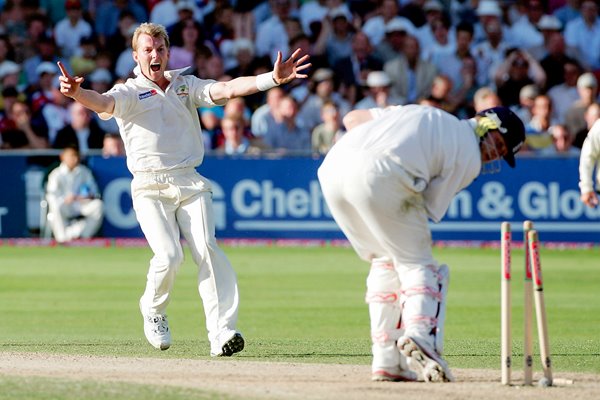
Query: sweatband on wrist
265, 81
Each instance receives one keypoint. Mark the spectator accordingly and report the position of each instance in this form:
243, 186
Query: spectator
565, 94
442, 37
290, 135
587, 87
519, 69
185, 42
556, 58
271, 35
20, 131
125, 64
83, 61
235, 139
337, 26
434, 12
268, 115
484, 98
168, 12
352, 71
378, 95
568, 11
112, 145
321, 90
47, 52
243, 52
10, 73
562, 142
73, 199
69, 31
538, 128
592, 114
117, 42
584, 33
326, 134
524, 32
392, 44
375, 27
101, 80
82, 132
527, 96
411, 75
491, 51
107, 16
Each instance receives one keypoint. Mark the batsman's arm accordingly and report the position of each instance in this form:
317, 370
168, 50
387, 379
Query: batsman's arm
70, 86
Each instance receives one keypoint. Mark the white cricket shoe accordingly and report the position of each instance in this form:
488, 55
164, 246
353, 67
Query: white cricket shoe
156, 329
233, 345
393, 375
425, 361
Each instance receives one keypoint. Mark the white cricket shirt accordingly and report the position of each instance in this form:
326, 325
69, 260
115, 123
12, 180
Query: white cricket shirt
429, 144
161, 130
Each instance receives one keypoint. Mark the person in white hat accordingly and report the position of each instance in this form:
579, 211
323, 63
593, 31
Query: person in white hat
378, 92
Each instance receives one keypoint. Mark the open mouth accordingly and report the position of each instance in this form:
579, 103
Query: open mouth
155, 67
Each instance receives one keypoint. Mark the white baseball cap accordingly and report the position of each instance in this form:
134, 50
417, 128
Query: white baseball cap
100, 75
46, 67
397, 25
378, 79
549, 23
489, 7
9, 67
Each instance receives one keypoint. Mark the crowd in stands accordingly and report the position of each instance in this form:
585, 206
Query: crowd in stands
540, 57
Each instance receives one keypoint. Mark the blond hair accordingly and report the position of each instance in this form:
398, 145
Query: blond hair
154, 30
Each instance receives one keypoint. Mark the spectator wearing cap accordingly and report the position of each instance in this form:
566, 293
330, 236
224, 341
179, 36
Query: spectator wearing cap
243, 52
47, 52
378, 92
82, 131
10, 74
168, 12
393, 43
428, 38
411, 75
587, 88
375, 26
548, 26
491, 52
107, 17
584, 33
313, 13
69, 31
443, 38
47, 101
489, 11
524, 31
352, 71
339, 32
321, 90
565, 94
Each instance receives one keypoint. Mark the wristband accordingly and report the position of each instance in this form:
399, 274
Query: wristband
265, 81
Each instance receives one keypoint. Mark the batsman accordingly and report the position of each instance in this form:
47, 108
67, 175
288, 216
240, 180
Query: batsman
395, 169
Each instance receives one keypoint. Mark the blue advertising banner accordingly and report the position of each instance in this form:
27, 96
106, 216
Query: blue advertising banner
13, 218
281, 198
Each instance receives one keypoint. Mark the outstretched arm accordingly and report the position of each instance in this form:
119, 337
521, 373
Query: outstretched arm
70, 86
283, 72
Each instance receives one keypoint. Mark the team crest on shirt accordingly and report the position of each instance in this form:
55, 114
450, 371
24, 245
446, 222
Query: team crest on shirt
147, 94
182, 91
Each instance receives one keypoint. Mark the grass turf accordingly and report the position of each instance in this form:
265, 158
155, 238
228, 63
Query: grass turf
297, 304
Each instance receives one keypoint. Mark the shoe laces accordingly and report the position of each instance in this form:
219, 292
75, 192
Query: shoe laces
160, 324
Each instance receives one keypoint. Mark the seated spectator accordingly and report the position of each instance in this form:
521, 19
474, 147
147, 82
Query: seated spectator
46, 52
290, 135
484, 98
20, 131
321, 90
10, 73
538, 128
82, 132
527, 96
83, 61
73, 199
562, 142
326, 134
69, 31
519, 69
587, 87
267, 115
411, 75
112, 145
565, 94
392, 44
378, 95
591, 115
235, 138
339, 30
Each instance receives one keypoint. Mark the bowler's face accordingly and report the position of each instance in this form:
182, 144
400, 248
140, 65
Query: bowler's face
152, 55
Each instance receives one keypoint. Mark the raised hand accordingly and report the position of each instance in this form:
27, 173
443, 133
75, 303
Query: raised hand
69, 85
284, 72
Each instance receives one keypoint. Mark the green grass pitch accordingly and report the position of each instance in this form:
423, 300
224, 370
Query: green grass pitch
297, 304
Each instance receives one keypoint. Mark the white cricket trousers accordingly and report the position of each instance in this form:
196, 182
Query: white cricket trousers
180, 202
381, 210
79, 219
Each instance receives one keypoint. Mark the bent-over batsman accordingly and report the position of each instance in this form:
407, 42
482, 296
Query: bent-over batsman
158, 120
394, 169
